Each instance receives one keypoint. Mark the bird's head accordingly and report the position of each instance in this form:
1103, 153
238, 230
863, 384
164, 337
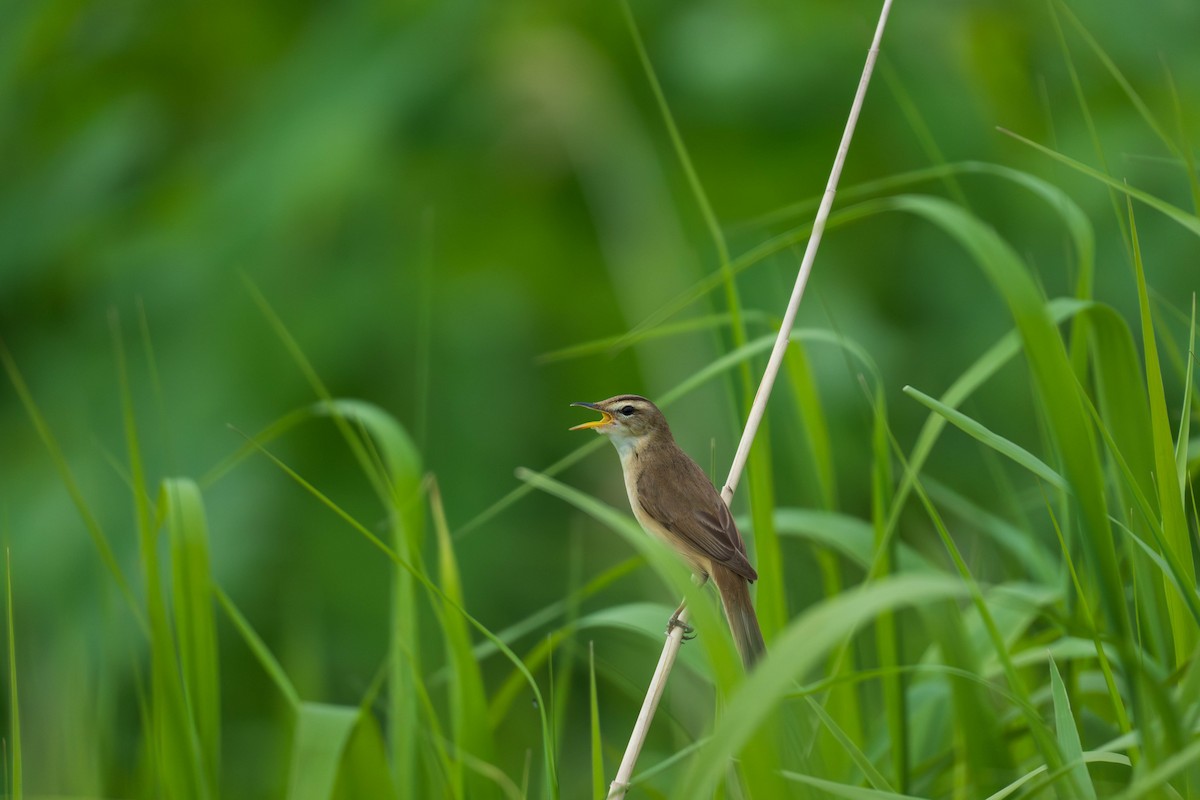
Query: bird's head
627, 418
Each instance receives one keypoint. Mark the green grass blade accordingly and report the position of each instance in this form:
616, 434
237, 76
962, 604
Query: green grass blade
18, 760
1170, 497
1068, 738
192, 603
982, 434
321, 734
468, 697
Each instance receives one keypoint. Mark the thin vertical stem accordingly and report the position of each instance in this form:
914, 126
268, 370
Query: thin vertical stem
658, 683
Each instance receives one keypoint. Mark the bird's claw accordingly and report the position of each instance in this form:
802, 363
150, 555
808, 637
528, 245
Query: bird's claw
689, 632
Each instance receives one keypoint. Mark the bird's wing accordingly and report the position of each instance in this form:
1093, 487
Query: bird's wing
703, 526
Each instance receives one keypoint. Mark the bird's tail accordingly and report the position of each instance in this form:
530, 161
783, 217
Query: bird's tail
743, 622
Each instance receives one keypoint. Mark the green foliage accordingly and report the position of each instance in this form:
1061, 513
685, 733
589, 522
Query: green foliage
311, 204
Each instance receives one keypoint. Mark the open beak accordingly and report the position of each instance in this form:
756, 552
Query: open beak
605, 419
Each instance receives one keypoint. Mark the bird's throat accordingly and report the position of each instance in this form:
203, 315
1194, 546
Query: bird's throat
627, 447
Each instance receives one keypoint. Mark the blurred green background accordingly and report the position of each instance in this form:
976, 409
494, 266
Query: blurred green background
432, 196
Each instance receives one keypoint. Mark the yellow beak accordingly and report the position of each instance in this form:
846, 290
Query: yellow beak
605, 419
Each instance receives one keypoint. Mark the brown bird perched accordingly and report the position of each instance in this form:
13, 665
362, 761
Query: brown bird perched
674, 501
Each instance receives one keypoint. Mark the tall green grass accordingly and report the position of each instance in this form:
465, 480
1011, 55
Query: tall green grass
1001, 685
953, 652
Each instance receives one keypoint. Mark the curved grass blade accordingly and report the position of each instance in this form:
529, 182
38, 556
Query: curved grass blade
984, 435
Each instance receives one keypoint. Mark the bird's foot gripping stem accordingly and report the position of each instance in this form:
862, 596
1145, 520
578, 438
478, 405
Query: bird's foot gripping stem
674, 622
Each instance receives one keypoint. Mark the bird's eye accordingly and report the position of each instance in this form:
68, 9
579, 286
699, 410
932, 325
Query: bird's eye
628, 411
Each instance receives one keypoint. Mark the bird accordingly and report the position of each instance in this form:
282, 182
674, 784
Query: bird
675, 502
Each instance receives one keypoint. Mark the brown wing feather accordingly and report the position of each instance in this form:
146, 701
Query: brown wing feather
706, 526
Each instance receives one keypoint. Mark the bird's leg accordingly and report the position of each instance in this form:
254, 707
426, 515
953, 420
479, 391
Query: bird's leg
689, 633
674, 622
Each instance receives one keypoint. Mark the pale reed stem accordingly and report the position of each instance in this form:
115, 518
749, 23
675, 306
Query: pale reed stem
658, 683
